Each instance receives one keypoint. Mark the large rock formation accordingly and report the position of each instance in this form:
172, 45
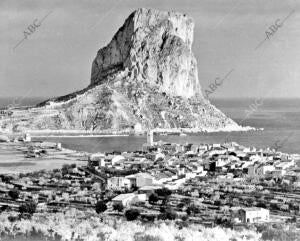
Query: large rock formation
152, 48
146, 76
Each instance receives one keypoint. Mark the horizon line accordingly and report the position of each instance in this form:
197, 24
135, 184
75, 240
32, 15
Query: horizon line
213, 98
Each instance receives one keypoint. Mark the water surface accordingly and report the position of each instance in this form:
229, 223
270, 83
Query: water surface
280, 119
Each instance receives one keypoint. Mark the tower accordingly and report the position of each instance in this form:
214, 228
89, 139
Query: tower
27, 137
150, 137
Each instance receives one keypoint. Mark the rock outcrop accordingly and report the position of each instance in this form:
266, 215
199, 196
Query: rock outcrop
152, 48
146, 76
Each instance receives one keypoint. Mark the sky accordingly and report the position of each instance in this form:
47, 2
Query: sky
56, 57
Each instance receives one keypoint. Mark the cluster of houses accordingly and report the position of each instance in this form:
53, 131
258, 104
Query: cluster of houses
172, 166
129, 178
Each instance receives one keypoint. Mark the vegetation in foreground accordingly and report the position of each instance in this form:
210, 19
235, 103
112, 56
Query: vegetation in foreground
77, 225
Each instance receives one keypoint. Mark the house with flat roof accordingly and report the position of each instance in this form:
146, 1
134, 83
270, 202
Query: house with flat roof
254, 215
140, 179
118, 183
124, 199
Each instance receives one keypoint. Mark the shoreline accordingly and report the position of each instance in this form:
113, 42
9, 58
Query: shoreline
84, 133
77, 136
68, 155
13, 158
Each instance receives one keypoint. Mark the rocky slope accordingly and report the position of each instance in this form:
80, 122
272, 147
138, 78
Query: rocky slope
146, 77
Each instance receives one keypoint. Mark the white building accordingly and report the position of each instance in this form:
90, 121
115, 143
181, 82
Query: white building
118, 183
159, 155
256, 170
58, 146
222, 161
262, 170
140, 179
27, 137
285, 164
138, 128
117, 159
254, 215
124, 199
150, 138
97, 159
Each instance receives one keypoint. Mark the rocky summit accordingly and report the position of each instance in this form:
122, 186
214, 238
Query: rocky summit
152, 48
145, 78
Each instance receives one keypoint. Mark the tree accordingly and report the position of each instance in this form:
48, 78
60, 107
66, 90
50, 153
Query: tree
4, 208
12, 219
28, 208
171, 215
132, 214
118, 207
100, 207
164, 194
186, 201
226, 222
6, 179
162, 209
14, 194
73, 165
65, 169
294, 219
180, 205
184, 218
192, 209
168, 214
153, 198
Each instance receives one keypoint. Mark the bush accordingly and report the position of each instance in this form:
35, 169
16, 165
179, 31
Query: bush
168, 214
153, 198
186, 201
192, 209
118, 207
225, 222
14, 194
101, 207
280, 234
148, 218
12, 218
28, 208
184, 218
65, 169
180, 205
164, 192
4, 208
132, 214
6, 179
162, 209
261, 205
146, 237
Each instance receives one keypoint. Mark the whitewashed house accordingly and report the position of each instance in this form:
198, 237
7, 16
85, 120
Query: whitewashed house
118, 183
254, 215
124, 199
140, 179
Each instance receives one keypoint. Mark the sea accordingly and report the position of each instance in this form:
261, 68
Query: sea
277, 121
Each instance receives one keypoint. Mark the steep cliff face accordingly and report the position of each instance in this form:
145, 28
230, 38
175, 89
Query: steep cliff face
152, 48
146, 75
